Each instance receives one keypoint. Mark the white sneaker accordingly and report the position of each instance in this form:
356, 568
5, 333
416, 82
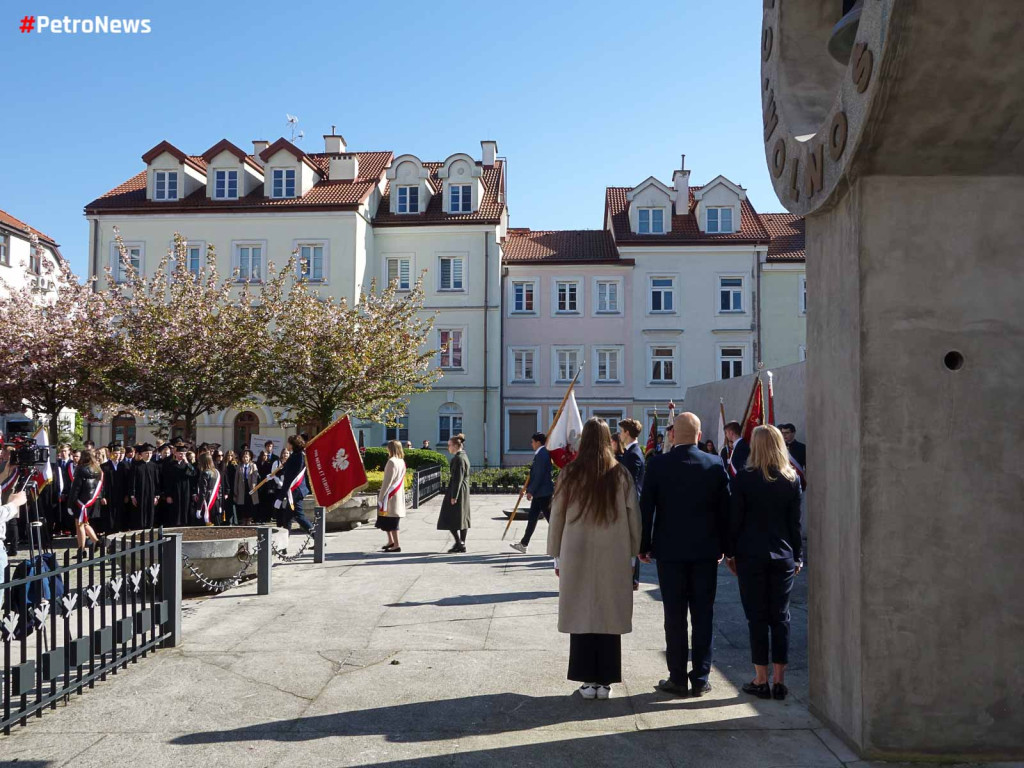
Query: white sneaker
588, 691
604, 691
519, 547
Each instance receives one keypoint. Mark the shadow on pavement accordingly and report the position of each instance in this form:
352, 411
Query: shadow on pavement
500, 597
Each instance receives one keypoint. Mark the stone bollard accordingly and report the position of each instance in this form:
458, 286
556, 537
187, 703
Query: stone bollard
320, 523
170, 575
264, 559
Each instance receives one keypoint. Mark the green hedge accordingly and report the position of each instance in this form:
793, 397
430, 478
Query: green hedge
374, 479
375, 458
504, 476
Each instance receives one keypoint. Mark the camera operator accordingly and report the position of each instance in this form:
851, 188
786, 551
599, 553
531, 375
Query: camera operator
9, 511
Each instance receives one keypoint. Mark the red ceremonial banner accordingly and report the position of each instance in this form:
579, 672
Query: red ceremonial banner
754, 416
333, 464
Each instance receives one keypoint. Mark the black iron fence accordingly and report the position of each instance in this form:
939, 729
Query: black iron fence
71, 621
426, 484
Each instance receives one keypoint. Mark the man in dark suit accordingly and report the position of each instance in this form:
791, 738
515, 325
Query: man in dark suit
685, 506
539, 490
632, 458
797, 450
739, 451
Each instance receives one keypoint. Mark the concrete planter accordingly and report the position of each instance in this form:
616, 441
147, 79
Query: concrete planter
219, 552
360, 509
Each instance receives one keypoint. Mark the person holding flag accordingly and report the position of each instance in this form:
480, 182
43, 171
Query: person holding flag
289, 498
84, 495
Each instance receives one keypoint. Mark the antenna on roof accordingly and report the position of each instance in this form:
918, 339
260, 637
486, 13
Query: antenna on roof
293, 123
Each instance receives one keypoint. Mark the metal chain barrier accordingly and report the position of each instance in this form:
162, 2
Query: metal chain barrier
220, 585
310, 534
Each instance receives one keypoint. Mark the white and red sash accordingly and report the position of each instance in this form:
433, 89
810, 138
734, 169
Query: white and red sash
7, 484
728, 462
84, 506
396, 485
295, 484
208, 501
800, 471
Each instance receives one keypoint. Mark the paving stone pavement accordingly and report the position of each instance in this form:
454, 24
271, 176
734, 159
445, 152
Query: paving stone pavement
423, 659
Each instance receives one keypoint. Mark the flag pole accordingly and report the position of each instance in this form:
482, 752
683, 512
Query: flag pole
558, 415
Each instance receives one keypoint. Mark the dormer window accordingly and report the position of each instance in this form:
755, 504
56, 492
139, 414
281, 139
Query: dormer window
225, 185
460, 198
283, 182
651, 221
409, 199
719, 220
165, 185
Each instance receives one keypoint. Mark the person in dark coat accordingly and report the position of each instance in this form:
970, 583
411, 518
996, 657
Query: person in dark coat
208, 489
797, 450
632, 458
290, 494
736, 460
227, 473
144, 489
246, 479
176, 477
115, 491
84, 497
454, 516
764, 549
539, 490
685, 505
266, 464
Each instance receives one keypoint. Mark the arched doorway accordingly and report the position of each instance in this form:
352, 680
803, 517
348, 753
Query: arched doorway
247, 424
122, 429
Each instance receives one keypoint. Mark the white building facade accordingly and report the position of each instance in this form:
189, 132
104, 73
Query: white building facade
354, 217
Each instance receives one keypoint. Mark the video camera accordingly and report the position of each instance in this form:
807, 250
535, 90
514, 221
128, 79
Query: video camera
27, 452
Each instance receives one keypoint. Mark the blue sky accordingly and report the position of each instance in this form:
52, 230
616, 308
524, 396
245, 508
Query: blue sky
579, 96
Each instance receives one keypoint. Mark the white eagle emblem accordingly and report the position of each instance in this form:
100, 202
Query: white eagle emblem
340, 462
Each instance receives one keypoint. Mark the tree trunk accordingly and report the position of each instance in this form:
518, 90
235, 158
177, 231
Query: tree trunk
190, 428
53, 429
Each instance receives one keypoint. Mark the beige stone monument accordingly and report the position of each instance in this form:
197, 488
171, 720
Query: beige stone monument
908, 161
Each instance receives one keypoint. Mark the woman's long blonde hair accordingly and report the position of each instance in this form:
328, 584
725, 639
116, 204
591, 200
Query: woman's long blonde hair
395, 449
769, 454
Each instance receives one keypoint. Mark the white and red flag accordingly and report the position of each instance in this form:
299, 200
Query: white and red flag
564, 437
720, 441
334, 465
43, 475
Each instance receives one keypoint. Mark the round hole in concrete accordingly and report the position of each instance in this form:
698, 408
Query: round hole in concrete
953, 360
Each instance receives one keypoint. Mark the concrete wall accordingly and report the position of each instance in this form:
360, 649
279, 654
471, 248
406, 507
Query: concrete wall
790, 400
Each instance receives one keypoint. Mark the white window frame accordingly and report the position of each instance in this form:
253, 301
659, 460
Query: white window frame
732, 290
398, 198
650, 211
508, 432
674, 288
578, 282
463, 367
801, 297
190, 245
397, 431
719, 230
603, 413
228, 173
236, 257
166, 186
115, 259
399, 257
597, 351
452, 431
325, 259
284, 183
512, 352
746, 367
596, 284
555, 349
462, 207
452, 255
5, 249
535, 290
651, 381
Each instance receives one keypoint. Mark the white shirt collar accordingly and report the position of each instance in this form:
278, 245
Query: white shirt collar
538, 450
635, 442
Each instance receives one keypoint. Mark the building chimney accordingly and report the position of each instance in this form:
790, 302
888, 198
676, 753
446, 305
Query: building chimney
258, 145
681, 181
344, 167
489, 151
334, 144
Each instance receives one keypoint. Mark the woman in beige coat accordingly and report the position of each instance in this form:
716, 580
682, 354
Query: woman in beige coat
391, 497
593, 536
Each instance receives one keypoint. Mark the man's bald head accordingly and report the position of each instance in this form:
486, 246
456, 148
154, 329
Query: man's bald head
686, 429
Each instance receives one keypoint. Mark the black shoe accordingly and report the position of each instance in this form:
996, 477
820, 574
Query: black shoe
671, 687
761, 690
779, 691
455, 549
460, 548
700, 689
395, 549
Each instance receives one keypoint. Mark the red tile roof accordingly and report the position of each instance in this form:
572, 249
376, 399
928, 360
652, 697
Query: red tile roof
226, 146
491, 206
787, 234
565, 246
173, 151
20, 226
684, 229
130, 197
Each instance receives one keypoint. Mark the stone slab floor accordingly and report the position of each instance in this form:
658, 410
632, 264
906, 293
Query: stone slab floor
422, 659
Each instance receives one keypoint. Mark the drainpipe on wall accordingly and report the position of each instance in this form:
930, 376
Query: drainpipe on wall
757, 309
487, 304
501, 368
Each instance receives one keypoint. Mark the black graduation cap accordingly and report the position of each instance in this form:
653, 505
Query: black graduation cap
142, 447
113, 446
161, 447
211, 447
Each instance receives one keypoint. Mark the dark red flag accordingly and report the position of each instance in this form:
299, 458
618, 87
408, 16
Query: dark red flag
754, 416
334, 465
